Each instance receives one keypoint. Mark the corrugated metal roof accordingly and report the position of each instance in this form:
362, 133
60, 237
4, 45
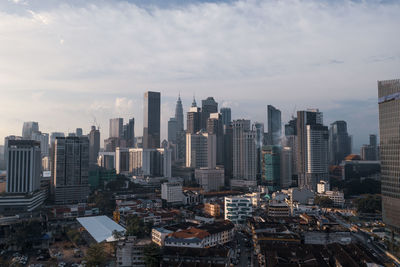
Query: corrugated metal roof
100, 227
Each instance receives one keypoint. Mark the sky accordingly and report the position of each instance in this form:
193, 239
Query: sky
67, 64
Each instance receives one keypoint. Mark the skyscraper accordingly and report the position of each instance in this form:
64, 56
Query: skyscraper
78, 132
194, 119
172, 130
151, 122
208, 106
201, 150
228, 153
94, 145
226, 116
28, 128
339, 142
180, 132
389, 120
71, 170
244, 151
312, 142
258, 128
274, 124
215, 127
179, 114
291, 142
24, 163
129, 133
43, 138
116, 127
271, 167
370, 152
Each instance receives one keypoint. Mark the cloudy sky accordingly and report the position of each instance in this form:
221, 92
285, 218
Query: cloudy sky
67, 63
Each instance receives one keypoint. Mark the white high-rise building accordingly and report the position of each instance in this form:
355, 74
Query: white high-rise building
244, 151
172, 192
201, 150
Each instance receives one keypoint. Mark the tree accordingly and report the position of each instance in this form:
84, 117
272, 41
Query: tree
369, 204
95, 255
152, 255
323, 202
104, 201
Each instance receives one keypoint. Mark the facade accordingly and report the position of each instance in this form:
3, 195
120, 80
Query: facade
172, 192
336, 196
201, 150
116, 127
322, 187
194, 119
23, 166
210, 179
208, 106
286, 167
339, 142
130, 252
215, 127
151, 122
28, 129
172, 130
121, 160
212, 209
71, 170
244, 151
389, 120
274, 125
150, 162
258, 128
291, 141
271, 167
238, 209
129, 133
360, 169
228, 153
180, 132
43, 138
278, 209
94, 145
370, 152
106, 160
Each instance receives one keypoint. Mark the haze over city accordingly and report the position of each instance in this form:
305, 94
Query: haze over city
64, 63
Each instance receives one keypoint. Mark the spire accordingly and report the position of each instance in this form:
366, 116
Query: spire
194, 104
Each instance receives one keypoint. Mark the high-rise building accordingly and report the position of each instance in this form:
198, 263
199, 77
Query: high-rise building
215, 127
201, 150
271, 167
258, 128
151, 122
208, 106
150, 162
370, 152
389, 120
79, 132
286, 167
307, 161
129, 133
179, 114
226, 116
53, 137
228, 153
116, 127
29, 128
180, 132
244, 151
94, 145
172, 130
24, 163
194, 118
71, 170
43, 138
274, 124
291, 141
339, 142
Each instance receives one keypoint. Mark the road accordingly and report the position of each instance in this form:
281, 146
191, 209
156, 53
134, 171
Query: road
247, 257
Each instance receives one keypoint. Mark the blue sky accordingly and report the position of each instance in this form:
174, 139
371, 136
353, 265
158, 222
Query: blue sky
62, 63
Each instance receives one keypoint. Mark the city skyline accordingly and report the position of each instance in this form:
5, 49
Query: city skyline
77, 85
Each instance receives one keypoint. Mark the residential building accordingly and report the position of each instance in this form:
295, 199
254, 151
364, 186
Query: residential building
71, 170
322, 187
212, 209
238, 209
151, 122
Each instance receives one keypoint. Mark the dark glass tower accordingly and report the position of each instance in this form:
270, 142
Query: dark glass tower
339, 142
208, 106
226, 116
151, 122
274, 125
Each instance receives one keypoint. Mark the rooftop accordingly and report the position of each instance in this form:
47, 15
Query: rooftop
100, 228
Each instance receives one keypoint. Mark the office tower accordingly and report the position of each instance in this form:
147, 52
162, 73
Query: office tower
389, 120
286, 167
271, 167
149, 162
53, 137
116, 127
370, 152
339, 142
71, 170
94, 145
373, 140
258, 128
201, 150
208, 106
43, 138
194, 119
306, 166
215, 127
290, 140
28, 128
226, 116
179, 114
291, 127
78, 132
172, 130
228, 153
129, 133
24, 163
151, 122
244, 151
274, 125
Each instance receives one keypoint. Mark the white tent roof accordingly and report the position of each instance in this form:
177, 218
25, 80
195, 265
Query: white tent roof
100, 227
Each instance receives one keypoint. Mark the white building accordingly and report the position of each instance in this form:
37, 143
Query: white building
238, 209
210, 179
201, 150
323, 186
150, 162
172, 192
336, 196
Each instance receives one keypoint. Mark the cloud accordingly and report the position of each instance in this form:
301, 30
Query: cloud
293, 53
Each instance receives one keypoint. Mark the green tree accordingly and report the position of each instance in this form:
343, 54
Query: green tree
369, 204
152, 254
104, 201
95, 255
323, 202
